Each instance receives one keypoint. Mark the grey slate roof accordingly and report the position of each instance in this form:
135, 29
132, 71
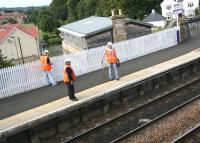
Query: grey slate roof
130, 20
92, 25
154, 17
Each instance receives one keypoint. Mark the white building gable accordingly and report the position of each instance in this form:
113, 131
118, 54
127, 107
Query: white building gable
189, 7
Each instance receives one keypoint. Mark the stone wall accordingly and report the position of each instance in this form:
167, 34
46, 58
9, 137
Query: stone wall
54, 125
134, 31
99, 39
119, 28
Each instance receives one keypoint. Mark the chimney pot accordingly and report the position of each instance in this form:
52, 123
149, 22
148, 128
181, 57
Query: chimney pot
120, 12
113, 12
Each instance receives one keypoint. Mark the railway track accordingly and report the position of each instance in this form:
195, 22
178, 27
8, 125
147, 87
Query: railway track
125, 124
127, 137
192, 136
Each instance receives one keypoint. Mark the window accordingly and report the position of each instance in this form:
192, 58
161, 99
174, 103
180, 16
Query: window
168, 7
169, 16
190, 13
191, 4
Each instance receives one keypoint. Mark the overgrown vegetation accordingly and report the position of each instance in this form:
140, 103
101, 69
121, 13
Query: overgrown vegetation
61, 12
4, 62
64, 11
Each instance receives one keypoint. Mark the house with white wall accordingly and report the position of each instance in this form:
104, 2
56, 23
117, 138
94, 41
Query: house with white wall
18, 42
156, 19
189, 7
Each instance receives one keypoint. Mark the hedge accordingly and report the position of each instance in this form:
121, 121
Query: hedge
54, 41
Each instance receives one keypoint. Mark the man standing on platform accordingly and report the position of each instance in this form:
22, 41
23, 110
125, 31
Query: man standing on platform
111, 57
69, 77
46, 67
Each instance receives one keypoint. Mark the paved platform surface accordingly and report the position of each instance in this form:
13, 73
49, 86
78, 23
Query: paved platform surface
35, 98
50, 109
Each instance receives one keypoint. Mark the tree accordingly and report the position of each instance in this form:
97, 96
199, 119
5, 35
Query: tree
59, 9
8, 20
11, 20
197, 11
32, 15
4, 62
46, 21
86, 8
45, 37
72, 12
131, 8
105, 6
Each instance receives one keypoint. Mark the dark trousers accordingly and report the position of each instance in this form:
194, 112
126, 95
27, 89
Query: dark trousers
70, 88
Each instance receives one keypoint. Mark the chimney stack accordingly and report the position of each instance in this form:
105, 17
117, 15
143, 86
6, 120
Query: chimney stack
113, 12
119, 26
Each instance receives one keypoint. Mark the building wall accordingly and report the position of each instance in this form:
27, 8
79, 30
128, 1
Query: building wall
99, 39
189, 7
69, 48
134, 31
29, 46
74, 41
158, 23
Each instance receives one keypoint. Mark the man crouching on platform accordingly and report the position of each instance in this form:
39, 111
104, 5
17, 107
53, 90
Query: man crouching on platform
69, 77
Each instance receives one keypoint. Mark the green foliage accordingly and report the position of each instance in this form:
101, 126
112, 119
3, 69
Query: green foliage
86, 8
9, 20
197, 11
46, 21
54, 41
157, 29
51, 35
4, 62
45, 37
59, 9
3, 22
72, 12
32, 16
61, 12
57, 32
51, 38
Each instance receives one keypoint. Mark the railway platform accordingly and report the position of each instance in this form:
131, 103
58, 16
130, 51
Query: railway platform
49, 119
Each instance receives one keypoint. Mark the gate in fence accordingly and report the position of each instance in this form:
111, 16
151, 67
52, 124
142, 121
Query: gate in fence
193, 27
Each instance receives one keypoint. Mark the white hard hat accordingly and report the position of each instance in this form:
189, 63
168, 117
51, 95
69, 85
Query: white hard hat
46, 51
67, 60
110, 44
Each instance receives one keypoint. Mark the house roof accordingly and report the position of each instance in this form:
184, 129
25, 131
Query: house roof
7, 29
92, 25
154, 17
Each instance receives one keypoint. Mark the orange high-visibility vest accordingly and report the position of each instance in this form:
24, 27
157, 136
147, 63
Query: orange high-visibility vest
44, 65
65, 75
111, 56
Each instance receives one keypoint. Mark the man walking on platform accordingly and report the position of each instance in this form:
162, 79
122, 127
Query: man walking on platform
46, 67
69, 77
111, 57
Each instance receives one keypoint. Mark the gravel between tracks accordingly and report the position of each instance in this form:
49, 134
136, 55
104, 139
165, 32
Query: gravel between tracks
168, 128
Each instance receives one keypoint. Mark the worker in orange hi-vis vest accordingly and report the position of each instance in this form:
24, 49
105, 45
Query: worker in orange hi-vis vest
46, 67
111, 57
69, 77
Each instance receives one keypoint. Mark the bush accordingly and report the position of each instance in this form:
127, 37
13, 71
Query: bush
52, 36
45, 37
54, 41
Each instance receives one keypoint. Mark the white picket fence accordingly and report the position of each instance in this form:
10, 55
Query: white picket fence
26, 77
